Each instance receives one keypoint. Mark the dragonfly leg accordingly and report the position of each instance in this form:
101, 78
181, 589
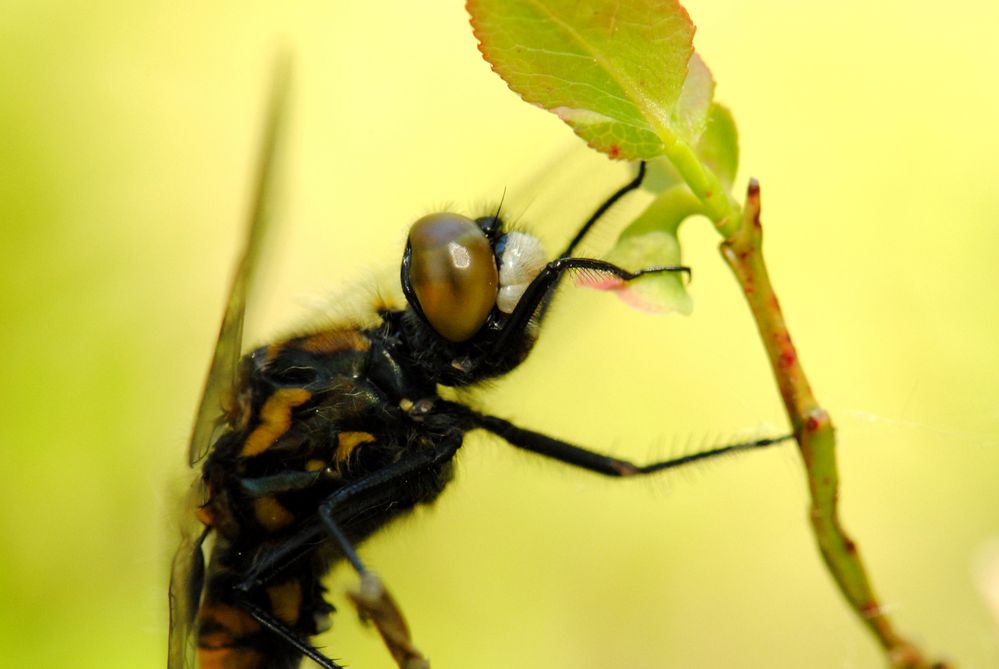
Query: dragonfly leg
598, 462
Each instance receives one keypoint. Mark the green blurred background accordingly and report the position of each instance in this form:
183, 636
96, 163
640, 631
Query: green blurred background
127, 138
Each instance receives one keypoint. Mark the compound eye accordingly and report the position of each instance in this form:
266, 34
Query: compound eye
453, 274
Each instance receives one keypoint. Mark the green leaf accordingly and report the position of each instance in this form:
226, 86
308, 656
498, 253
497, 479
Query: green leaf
623, 74
651, 240
639, 244
718, 149
613, 71
690, 116
719, 145
660, 175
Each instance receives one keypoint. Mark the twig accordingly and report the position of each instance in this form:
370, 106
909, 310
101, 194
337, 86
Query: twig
813, 428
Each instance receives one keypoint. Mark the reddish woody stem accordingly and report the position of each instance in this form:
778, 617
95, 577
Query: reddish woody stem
813, 428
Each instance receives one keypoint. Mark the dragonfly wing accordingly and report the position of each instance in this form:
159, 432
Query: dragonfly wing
187, 578
188, 572
225, 361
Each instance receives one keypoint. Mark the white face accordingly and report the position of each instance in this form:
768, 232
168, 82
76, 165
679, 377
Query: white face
523, 258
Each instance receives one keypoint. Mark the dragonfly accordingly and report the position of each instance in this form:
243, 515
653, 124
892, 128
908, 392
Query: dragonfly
309, 445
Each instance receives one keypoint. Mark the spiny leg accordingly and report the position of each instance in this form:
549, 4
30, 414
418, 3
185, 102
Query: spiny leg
287, 634
373, 600
357, 496
545, 282
598, 462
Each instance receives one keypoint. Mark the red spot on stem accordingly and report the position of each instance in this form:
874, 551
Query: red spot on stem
870, 610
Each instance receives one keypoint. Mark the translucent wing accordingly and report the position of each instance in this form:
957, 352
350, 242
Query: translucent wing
187, 574
225, 362
186, 581
557, 197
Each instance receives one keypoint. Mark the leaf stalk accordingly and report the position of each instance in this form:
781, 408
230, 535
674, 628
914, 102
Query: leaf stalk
719, 205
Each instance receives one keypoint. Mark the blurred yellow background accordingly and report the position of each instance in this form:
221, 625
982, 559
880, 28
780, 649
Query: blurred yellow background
127, 138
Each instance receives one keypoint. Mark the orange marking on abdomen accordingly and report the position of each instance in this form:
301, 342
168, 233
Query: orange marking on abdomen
332, 341
223, 624
223, 630
348, 441
270, 514
204, 515
286, 601
275, 419
230, 658
273, 350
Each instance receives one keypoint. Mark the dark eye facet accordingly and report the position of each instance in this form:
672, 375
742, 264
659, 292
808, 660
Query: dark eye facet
453, 274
